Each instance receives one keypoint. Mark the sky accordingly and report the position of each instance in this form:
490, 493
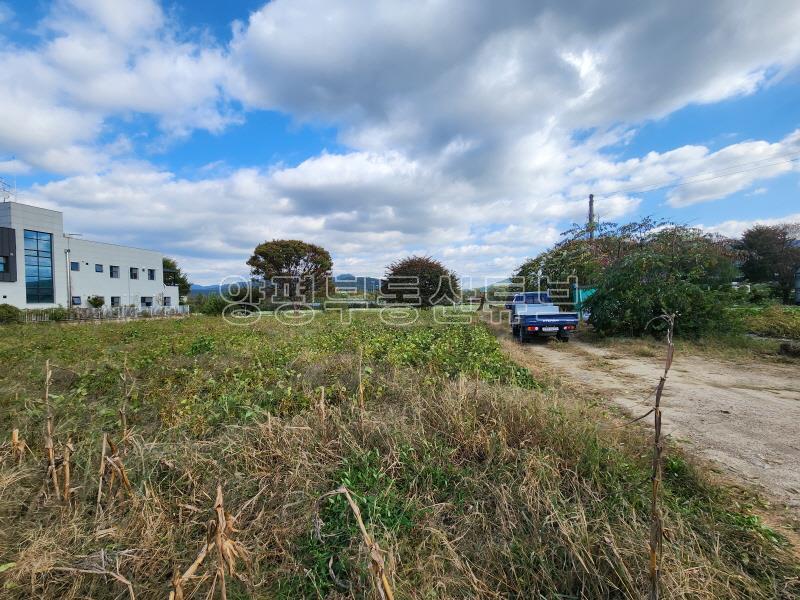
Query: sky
467, 130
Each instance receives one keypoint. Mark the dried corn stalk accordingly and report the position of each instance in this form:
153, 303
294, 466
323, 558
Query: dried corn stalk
52, 471
219, 536
18, 446
656, 525
377, 563
112, 471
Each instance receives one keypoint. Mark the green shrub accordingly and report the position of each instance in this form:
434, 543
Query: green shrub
201, 345
214, 305
435, 283
774, 321
764, 293
9, 314
642, 287
59, 314
676, 270
96, 301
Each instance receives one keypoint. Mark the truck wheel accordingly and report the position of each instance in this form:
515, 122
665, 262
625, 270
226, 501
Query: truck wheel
521, 336
515, 330
563, 338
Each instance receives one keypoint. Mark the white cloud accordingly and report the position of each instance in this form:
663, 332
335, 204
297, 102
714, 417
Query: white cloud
6, 13
97, 60
424, 74
702, 175
734, 228
460, 120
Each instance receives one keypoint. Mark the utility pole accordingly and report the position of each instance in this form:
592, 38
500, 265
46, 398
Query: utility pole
591, 216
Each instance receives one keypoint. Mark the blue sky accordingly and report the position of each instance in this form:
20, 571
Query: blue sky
465, 130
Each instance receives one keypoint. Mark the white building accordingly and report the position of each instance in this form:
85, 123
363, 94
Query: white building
41, 267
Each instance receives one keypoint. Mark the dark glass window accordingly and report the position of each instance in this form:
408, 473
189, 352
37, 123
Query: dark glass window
3, 264
167, 301
76, 301
74, 266
38, 267
147, 301
98, 268
151, 274
113, 270
115, 301
134, 273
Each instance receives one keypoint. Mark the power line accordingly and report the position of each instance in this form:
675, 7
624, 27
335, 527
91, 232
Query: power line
710, 176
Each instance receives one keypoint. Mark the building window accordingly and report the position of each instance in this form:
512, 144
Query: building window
167, 301
115, 302
3, 264
98, 268
38, 267
147, 301
76, 301
134, 273
151, 274
113, 270
74, 266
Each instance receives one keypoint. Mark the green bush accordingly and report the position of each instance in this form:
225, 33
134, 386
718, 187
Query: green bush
677, 270
641, 287
202, 345
765, 293
435, 283
96, 301
9, 314
214, 305
774, 321
59, 314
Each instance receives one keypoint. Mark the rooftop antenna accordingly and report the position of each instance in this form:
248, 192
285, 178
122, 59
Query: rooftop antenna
6, 192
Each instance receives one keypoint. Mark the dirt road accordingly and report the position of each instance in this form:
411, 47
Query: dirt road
743, 416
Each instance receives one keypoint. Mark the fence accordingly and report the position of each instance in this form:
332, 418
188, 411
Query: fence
117, 313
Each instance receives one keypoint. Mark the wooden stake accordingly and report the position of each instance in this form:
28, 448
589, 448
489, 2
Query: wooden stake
656, 525
102, 473
322, 409
48, 439
68, 449
360, 380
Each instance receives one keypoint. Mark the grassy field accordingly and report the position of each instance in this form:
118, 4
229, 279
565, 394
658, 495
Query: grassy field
773, 321
476, 479
735, 347
767, 325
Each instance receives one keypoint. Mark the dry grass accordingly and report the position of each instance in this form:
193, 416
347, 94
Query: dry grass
774, 321
734, 348
471, 489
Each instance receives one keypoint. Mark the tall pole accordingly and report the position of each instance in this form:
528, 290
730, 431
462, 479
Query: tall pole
591, 216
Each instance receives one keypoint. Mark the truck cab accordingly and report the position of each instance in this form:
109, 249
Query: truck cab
533, 314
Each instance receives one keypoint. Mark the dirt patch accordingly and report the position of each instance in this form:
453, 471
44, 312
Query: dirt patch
743, 417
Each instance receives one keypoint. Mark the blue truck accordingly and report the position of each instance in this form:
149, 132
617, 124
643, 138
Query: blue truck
533, 315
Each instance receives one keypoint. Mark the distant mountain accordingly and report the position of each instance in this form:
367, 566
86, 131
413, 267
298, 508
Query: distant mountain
493, 286
353, 282
214, 288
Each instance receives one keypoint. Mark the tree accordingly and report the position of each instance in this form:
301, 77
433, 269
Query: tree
420, 280
9, 314
296, 263
173, 275
96, 301
673, 270
586, 259
772, 254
